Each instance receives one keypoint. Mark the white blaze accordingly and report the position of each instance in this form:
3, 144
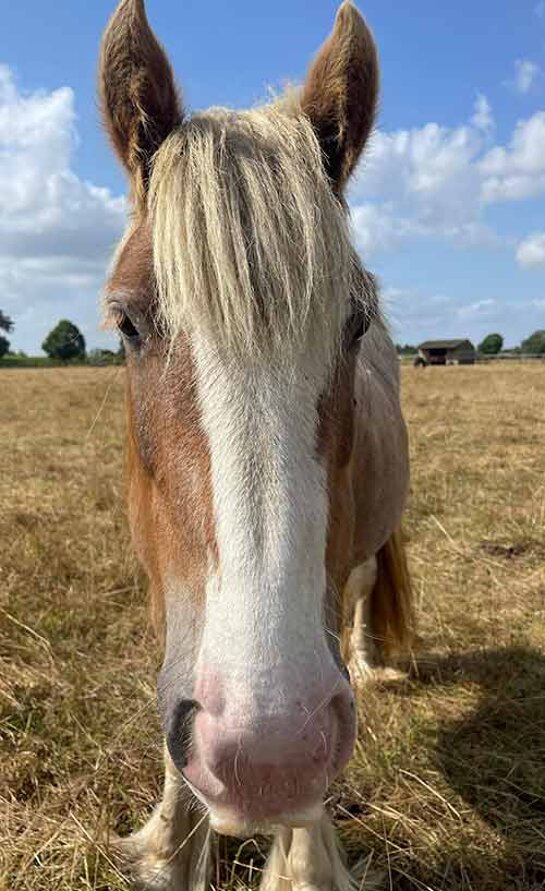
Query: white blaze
264, 602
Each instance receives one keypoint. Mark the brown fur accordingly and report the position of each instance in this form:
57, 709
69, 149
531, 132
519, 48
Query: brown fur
139, 99
171, 499
341, 92
335, 444
361, 437
170, 491
133, 271
391, 608
141, 108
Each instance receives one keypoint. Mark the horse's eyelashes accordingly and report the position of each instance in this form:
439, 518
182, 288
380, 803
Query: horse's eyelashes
127, 328
361, 328
358, 326
131, 325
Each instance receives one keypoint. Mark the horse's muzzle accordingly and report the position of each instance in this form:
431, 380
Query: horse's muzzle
256, 767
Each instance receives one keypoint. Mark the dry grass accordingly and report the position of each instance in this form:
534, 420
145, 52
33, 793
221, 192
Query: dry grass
447, 788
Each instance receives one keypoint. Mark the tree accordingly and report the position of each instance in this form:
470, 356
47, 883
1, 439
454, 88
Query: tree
64, 342
101, 357
491, 345
535, 344
6, 324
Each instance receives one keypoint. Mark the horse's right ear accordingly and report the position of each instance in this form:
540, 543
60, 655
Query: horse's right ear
139, 99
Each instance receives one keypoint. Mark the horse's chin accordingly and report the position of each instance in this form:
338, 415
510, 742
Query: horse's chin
226, 822
242, 810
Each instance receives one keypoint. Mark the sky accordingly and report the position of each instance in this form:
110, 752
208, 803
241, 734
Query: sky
447, 205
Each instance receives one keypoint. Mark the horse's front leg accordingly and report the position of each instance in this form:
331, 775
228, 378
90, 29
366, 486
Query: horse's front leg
311, 859
172, 851
307, 859
364, 654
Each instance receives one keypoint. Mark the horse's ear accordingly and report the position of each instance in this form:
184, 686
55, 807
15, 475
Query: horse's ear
139, 99
341, 91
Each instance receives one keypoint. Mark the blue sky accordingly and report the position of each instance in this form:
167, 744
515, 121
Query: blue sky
448, 204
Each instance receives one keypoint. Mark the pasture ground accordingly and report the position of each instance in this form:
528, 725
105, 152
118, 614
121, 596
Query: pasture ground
447, 786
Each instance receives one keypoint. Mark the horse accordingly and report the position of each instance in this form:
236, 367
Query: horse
267, 452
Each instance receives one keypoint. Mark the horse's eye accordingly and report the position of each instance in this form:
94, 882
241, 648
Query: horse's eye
357, 327
126, 328
132, 323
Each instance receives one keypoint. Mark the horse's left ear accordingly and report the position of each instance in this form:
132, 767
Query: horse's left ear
139, 99
341, 91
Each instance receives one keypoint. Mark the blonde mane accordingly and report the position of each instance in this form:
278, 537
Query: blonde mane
250, 243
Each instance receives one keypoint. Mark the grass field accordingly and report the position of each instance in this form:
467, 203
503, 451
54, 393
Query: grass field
447, 786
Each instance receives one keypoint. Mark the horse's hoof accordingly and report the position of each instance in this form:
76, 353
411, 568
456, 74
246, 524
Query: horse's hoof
362, 674
366, 878
145, 869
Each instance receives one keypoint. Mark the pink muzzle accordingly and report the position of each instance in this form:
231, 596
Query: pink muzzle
254, 765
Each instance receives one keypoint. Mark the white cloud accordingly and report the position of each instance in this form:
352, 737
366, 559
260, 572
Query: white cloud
531, 251
427, 183
526, 74
478, 309
518, 170
56, 230
437, 182
483, 118
416, 315
374, 228
418, 183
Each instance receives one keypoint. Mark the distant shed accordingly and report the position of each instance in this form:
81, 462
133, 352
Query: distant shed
447, 352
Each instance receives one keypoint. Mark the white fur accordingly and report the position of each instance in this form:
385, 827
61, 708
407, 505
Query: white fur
250, 243
363, 651
172, 851
311, 860
264, 606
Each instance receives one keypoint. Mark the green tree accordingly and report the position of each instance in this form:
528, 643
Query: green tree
101, 357
6, 323
64, 342
535, 344
406, 350
491, 345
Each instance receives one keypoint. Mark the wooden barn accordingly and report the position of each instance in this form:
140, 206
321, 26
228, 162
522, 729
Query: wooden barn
447, 352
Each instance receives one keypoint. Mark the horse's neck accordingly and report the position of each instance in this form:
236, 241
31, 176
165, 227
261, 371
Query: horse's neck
380, 461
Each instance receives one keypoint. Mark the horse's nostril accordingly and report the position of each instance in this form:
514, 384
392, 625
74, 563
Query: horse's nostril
180, 731
335, 650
